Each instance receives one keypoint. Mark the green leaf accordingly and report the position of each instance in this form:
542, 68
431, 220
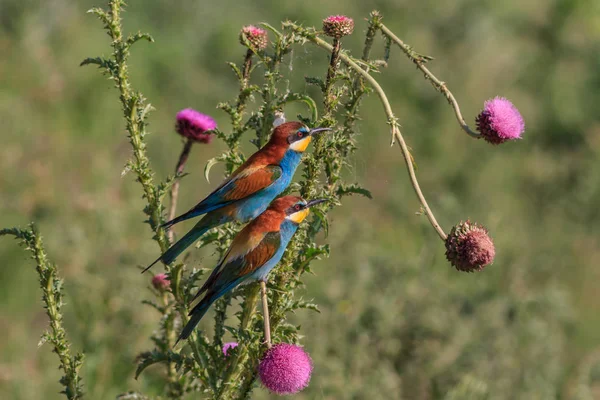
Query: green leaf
345, 190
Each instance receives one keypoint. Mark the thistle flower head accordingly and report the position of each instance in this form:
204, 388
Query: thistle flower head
469, 247
256, 36
161, 282
228, 346
338, 26
194, 125
285, 369
500, 121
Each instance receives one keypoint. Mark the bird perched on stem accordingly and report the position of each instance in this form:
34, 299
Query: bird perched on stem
254, 252
250, 189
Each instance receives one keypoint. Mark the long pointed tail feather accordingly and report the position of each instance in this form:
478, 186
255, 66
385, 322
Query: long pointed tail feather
182, 217
196, 315
179, 247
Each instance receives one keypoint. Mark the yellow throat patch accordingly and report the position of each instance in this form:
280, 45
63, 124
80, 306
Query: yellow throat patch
301, 145
299, 216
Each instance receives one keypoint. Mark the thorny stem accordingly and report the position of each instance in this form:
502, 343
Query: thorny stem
232, 373
391, 120
135, 111
335, 56
440, 86
175, 188
52, 294
265, 305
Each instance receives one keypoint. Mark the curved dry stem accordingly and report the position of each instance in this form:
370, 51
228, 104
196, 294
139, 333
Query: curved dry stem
440, 86
395, 130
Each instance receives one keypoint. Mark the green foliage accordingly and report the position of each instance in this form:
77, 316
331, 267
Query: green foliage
52, 297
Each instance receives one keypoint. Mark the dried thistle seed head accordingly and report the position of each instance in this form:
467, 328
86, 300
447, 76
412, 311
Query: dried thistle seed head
338, 26
469, 247
256, 36
285, 369
500, 121
194, 125
161, 282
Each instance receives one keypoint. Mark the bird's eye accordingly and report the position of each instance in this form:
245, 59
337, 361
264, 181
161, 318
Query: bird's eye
297, 207
300, 134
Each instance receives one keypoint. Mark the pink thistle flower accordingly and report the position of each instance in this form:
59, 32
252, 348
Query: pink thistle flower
338, 25
161, 282
228, 346
194, 125
285, 369
469, 247
256, 36
500, 121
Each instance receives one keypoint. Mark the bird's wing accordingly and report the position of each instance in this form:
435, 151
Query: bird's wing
247, 253
243, 183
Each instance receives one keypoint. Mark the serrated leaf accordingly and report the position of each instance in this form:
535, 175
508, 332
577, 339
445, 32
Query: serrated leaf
353, 189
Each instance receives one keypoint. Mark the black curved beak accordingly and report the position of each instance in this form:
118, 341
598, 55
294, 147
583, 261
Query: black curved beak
315, 202
318, 130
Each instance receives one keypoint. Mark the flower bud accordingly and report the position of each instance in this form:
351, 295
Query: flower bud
161, 282
338, 26
256, 36
194, 125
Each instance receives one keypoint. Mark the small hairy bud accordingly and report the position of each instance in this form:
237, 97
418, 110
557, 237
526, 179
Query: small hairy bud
256, 36
228, 346
194, 125
338, 26
161, 282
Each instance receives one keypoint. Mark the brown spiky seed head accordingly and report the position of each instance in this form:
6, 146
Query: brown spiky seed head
469, 248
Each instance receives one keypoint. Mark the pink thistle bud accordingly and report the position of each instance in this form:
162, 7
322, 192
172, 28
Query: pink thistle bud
194, 125
256, 36
285, 369
500, 121
469, 247
338, 25
161, 282
228, 346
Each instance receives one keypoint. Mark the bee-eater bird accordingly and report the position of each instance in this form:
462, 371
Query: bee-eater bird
254, 252
251, 187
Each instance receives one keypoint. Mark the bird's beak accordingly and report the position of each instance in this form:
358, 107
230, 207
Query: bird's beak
317, 130
315, 202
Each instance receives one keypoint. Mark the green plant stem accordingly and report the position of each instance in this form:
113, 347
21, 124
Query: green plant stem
52, 296
440, 86
187, 147
135, 111
392, 121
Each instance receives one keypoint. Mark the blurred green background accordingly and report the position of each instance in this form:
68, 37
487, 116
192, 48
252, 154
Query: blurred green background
397, 322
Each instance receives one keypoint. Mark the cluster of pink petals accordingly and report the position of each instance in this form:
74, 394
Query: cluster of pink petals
228, 346
285, 369
500, 121
161, 282
195, 125
256, 36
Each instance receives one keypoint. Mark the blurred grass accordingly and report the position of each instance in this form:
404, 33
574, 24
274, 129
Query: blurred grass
396, 321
